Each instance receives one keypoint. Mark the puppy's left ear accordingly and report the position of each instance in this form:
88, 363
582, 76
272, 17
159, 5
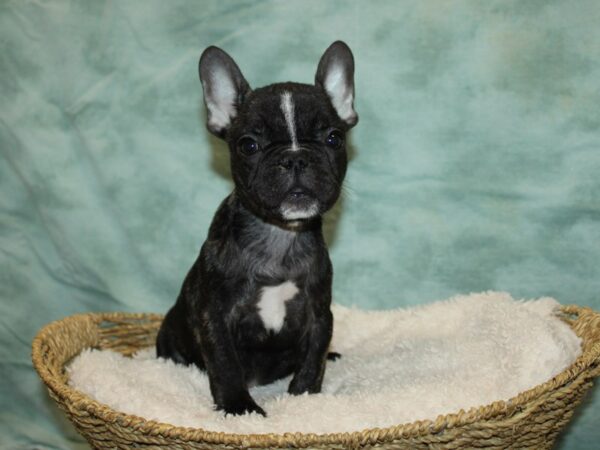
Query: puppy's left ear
224, 88
335, 74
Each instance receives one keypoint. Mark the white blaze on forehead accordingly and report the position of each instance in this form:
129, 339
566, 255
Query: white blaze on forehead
271, 306
287, 106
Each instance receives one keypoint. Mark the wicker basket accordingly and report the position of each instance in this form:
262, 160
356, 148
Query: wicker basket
530, 420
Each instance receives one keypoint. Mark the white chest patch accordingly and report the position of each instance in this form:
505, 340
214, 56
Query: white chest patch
271, 306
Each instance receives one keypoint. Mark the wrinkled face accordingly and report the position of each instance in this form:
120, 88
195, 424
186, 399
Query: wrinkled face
288, 152
287, 140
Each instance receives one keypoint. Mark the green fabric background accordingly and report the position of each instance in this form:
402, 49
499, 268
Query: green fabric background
475, 163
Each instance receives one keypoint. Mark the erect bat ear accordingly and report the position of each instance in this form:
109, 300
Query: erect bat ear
335, 74
224, 88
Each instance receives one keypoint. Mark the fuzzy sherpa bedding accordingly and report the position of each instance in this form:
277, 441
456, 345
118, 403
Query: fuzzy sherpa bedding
397, 366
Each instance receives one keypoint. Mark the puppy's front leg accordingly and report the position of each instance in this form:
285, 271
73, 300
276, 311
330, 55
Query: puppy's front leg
309, 377
225, 373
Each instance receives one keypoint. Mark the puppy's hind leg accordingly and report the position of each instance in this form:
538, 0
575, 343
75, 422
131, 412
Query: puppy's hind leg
166, 342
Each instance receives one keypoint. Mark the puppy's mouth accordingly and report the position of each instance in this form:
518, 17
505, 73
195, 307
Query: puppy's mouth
298, 204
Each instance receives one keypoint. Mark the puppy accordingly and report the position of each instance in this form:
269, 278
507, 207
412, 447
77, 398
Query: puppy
255, 306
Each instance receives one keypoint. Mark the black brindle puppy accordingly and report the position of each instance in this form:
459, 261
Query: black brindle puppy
255, 306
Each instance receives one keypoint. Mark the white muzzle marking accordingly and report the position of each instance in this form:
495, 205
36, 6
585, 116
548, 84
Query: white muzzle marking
294, 213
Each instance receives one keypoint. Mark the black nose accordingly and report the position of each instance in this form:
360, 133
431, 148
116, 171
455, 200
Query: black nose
293, 162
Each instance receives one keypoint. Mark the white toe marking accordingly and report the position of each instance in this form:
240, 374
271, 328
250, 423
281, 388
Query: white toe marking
271, 306
287, 106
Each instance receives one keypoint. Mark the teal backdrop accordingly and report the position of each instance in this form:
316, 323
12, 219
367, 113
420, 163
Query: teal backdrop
475, 164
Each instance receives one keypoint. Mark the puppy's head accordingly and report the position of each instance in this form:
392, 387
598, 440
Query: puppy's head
287, 140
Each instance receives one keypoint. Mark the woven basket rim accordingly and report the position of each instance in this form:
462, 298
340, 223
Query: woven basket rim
588, 359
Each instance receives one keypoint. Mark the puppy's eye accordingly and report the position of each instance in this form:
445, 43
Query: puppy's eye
248, 146
334, 140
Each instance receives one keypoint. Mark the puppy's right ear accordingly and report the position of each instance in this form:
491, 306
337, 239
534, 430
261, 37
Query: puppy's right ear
224, 89
335, 74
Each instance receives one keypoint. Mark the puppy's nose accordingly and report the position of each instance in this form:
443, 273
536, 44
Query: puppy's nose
293, 162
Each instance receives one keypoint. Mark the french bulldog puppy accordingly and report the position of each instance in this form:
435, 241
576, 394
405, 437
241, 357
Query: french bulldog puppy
255, 306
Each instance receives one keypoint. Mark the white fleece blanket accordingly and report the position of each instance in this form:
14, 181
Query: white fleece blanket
397, 366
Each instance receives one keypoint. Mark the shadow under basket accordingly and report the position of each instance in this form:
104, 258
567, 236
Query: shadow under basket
532, 419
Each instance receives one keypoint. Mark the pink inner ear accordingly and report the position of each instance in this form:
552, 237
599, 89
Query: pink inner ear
220, 96
341, 93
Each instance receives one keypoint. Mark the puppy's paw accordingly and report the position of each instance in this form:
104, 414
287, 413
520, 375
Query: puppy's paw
299, 386
242, 405
333, 356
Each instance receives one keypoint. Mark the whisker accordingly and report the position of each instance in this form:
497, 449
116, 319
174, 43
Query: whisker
347, 191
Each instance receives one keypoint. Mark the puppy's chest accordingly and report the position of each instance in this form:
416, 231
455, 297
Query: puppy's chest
272, 314
277, 265
280, 302
278, 254
272, 304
